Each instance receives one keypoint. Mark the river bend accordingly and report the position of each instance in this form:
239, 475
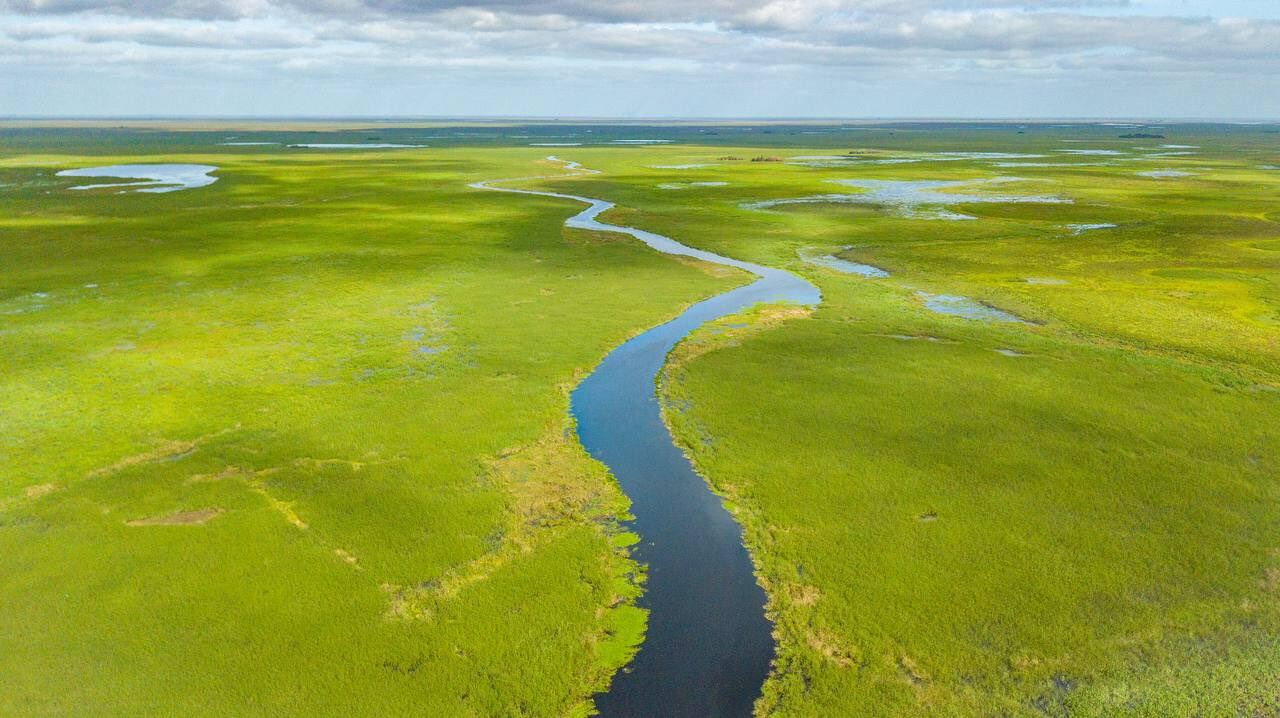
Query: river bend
708, 645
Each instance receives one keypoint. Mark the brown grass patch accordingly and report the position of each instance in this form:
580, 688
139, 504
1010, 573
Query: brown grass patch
35, 492
1270, 579
803, 595
828, 645
182, 518
911, 670
347, 556
230, 472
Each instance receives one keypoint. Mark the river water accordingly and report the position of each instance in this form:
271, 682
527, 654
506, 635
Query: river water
708, 645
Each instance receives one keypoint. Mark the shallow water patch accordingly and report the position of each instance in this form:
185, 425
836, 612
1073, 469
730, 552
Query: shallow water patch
914, 199
352, 146
687, 185
830, 261
1166, 174
1082, 228
156, 178
1093, 153
989, 156
844, 160
966, 308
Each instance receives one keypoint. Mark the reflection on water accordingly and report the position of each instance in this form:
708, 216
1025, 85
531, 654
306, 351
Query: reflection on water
156, 179
1166, 174
1098, 153
830, 261
350, 146
685, 185
965, 307
1082, 228
914, 199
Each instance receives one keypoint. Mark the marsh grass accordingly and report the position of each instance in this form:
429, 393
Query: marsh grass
355, 370
1073, 517
295, 442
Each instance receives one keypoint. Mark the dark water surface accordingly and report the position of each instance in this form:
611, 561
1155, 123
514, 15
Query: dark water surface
708, 645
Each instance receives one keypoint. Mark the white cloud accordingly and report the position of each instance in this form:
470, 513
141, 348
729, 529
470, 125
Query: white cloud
1010, 43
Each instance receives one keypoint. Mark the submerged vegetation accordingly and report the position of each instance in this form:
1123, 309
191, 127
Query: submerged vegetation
298, 438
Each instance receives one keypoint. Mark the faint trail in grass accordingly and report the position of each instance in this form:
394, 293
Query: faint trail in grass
708, 646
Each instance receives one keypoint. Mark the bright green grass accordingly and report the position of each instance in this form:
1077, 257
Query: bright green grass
364, 365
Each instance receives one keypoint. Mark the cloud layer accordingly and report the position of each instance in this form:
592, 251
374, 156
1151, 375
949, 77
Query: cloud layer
484, 56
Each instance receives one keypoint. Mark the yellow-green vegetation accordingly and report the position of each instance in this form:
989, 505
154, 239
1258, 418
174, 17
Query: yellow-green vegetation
296, 442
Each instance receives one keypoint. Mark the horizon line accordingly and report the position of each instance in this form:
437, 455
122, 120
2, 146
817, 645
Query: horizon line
638, 118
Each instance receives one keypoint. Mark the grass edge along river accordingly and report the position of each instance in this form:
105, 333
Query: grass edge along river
707, 647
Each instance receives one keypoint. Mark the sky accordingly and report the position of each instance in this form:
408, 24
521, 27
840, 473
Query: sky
642, 58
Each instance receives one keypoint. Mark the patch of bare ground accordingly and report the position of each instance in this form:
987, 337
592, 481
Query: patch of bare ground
549, 484
182, 518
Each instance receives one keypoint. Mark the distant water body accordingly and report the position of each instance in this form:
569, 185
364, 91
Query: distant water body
155, 179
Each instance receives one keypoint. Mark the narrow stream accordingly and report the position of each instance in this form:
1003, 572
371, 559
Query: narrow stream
708, 645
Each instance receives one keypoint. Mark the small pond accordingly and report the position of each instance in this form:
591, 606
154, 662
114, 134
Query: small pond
155, 178
914, 199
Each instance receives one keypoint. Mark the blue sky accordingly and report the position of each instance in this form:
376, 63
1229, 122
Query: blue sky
642, 58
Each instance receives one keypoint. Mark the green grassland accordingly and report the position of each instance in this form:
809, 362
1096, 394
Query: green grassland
1090, 528
297, 442
359, 367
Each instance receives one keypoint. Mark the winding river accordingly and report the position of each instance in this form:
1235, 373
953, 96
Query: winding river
708, 645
